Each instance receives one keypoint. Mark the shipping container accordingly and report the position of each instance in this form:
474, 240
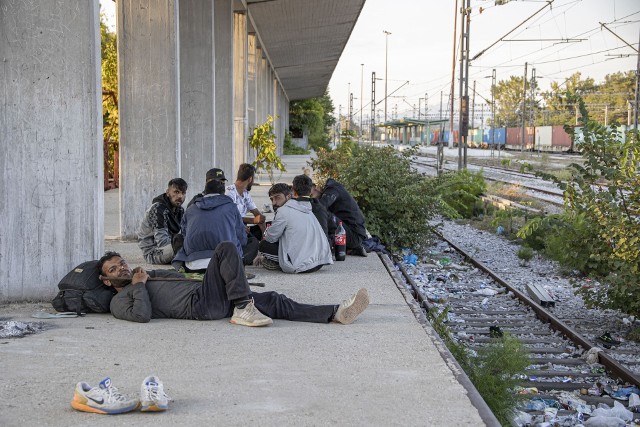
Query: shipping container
514, 136
499, 135
560, 139
543, 138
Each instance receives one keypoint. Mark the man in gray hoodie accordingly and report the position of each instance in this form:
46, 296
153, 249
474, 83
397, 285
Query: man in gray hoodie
295, 242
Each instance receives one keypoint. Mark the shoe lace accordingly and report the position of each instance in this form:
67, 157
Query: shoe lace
156, 392
113, 395
249, 309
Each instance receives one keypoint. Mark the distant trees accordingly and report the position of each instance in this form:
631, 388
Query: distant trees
605, 101
315, 117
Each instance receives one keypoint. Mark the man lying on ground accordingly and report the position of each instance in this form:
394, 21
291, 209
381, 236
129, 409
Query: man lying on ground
223, 293
159, 233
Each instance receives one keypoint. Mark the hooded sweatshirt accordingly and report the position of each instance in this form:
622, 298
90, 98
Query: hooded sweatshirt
161, 222
302, 242
339, 202
208, 222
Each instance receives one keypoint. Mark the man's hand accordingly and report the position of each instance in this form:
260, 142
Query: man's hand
259, 219
139, 276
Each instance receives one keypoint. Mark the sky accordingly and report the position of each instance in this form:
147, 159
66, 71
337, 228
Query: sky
421, 41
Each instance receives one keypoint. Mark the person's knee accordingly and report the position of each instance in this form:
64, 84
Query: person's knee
225, 247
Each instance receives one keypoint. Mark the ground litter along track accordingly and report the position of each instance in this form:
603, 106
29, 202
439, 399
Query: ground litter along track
559, 371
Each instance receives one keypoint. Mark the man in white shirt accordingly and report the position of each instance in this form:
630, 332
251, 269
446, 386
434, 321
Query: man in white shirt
239, 193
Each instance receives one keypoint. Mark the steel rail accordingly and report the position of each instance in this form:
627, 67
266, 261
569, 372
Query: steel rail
605, 359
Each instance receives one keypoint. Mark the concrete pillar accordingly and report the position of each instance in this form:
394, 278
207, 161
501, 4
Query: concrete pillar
149, 72
252, 91
239, 89
261, 88
223, 88
197, 117
51, 195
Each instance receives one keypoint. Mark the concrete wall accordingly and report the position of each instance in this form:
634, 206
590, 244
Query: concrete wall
252, 90
150, 134
51, 197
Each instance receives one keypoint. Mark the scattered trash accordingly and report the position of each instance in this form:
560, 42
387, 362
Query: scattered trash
591, 356
444, 261
16, 329
410, 259
496, 332
488, 292
500, 230
634, 402
618, 411
266, 208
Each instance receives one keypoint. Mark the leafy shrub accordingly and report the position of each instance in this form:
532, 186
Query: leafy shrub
397, 201
263, 140
331, 163
460, 193
290, 148
599, 233
525, 253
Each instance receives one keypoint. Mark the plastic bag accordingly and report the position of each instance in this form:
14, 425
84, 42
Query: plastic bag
618, 411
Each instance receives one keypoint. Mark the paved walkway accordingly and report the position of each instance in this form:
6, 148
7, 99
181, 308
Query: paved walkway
385, 369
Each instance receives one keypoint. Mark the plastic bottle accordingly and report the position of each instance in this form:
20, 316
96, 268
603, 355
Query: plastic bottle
340, 243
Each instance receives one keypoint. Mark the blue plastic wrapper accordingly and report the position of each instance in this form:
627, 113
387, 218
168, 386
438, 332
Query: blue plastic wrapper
410, 259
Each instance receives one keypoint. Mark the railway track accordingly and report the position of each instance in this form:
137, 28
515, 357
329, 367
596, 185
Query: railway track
559, 372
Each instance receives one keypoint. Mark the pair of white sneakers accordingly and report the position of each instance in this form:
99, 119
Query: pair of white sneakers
106, 399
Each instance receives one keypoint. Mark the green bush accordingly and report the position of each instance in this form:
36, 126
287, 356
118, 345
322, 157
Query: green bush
290, 148
397, 201
460, 193
599, 234
494, 369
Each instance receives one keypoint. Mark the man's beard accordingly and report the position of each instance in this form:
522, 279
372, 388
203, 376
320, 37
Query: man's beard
249, 186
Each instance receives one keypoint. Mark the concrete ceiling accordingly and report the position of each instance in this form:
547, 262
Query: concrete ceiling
304, 39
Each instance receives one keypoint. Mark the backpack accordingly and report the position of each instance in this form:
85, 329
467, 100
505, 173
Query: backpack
81, 291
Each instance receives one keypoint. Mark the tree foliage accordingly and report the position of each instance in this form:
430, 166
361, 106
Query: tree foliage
109, 56
599, 232
263, 140
313, 116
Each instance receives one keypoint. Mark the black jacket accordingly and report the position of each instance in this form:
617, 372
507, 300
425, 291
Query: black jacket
339, 202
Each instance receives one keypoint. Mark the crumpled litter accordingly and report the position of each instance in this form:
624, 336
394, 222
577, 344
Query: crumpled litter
15, 329
618, 411
591, 356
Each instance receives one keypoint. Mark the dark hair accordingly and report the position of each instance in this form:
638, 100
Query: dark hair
215, 186
280, 187
106, 257
302, 185
179, 183
245, 171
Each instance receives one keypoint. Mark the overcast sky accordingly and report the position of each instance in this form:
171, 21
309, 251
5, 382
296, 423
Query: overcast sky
420, 46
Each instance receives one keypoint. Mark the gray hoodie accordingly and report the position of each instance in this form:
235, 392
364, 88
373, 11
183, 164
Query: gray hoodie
302, 242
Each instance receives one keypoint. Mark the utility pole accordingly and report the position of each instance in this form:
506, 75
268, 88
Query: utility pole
473, 106
440, 154
531, 111
453, 71
493, 113
465, 12
635, 114
524, 105
361, 97
373, 106
386, 73
350, 110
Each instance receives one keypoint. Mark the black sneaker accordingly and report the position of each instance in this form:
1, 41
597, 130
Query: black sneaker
608, 340
359, 251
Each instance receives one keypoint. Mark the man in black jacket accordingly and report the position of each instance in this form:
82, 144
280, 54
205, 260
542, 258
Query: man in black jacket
340, 203
159, 234
223, 293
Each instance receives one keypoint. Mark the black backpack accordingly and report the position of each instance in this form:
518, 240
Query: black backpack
82, 291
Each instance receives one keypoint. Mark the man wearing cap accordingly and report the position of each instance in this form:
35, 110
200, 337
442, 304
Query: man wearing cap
211, 220
212, 174
159, 234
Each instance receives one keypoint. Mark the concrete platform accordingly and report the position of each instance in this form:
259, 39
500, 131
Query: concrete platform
385, 369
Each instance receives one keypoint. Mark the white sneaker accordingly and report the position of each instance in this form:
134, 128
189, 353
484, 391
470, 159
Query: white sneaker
249, 316
152, 397
351, 308
104, 399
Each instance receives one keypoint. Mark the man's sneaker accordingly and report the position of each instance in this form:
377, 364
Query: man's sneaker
249, 316
359, 251
607, 340
152, 397
351, 308
104, 399
270, 264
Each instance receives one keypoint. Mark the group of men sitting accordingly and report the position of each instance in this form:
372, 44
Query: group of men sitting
215, 236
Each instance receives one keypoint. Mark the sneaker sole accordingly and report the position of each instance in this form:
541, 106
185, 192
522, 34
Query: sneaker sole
153, 408
243, 322
360, 303
86, 408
